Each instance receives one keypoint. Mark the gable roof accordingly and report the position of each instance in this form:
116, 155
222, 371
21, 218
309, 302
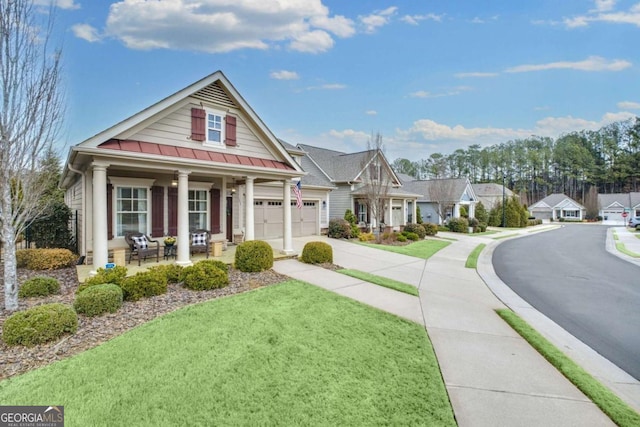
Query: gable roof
629, 200
215, 85
343, 167
454, 189
556, 200
490, 189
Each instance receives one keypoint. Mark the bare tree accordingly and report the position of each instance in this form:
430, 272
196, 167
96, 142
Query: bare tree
30, 119
376, 180
441, 193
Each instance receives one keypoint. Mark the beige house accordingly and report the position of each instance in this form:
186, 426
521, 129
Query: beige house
198, 159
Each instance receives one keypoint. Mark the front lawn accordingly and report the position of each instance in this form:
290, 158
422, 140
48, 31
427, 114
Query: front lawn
381, 281
422, 249
289, 354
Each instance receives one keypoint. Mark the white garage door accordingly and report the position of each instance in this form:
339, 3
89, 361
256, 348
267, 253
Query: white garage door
613, 217
269, 219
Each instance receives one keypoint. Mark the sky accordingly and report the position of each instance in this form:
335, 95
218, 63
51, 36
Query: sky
429, 76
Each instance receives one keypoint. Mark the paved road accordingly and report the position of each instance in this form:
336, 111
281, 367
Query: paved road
569, 276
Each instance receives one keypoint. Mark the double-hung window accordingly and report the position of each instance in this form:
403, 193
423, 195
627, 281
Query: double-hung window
131, 210
215, 127
198, 209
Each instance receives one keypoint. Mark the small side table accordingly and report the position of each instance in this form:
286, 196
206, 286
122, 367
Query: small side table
170, 251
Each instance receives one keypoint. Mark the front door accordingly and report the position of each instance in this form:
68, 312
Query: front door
229, 211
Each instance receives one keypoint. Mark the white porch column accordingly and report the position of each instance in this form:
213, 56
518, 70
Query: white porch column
456, 210
183, 218
414, 207
287, 242
100, 226
390, 212
472, 210
249, 208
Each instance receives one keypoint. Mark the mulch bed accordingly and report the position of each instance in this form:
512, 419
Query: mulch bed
93, 331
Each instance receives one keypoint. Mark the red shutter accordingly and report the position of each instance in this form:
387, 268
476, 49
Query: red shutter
198, 117
230, 131
109, 211
172, 206
215, 210
157, 211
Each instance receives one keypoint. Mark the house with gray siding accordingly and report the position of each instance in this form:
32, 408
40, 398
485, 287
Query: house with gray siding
612, 207
442, 198
556, 207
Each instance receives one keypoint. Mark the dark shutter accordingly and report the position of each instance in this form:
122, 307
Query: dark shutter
230, 131
198, 117
356, 209
157, 211
215, 210
110, 211
172, 207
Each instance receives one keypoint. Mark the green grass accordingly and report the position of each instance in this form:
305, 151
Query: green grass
622, 248
381, 281
619, 412
289, 354
486, 233
472, 260
422, 249
505, 236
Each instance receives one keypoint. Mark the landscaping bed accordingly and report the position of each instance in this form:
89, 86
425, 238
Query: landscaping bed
96, 330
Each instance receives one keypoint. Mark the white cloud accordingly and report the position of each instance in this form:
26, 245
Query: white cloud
603, 5
592, 63
452, 92
377, 19
629, 105
328, 86
284, 75
371, 113
415, 19
604, 12
62, 4
217, 26
475, 74
86, 32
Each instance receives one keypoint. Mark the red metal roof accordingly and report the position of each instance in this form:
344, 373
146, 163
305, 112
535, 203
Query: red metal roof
191, 153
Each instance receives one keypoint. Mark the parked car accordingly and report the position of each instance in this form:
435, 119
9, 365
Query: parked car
634, 222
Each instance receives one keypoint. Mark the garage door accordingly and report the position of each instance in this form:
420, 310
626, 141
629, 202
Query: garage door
613, 217
269, 219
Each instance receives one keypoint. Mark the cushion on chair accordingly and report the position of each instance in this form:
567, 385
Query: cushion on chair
141, 241
199, 239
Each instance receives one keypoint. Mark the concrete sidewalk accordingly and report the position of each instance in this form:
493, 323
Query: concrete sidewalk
492, 375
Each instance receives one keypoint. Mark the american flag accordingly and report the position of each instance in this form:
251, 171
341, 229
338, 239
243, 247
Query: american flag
297, 190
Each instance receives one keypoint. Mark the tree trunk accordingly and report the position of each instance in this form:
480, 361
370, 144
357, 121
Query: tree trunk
10, 273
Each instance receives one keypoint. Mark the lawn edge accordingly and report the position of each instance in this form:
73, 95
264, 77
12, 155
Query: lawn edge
381, 281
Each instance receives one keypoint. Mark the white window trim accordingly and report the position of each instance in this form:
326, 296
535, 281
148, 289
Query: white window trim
223, 123
129, 182
203, 187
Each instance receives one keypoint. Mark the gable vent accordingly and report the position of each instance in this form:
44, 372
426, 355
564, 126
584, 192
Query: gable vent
214, 94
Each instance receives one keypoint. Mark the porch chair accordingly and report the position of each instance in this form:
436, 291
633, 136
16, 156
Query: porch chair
199, 241
140, 245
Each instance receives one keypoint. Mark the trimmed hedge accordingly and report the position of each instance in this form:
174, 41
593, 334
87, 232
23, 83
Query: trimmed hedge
430, 228
115, 275
143, 285
45, 259
416, 228
40, 286
99, 299
205, 276
173, 272
254, 256
339, 229
317, 253
458, 225
411, 236
39, 324
366, 237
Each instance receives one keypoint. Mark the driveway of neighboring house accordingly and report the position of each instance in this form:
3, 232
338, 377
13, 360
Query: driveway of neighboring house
568, 275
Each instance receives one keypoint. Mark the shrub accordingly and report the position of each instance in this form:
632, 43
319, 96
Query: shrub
45, 259
39, 324
401, 238
39, 287
350, 217
418, 215
215, 263
99, 299
173, 272
481, 213
339, 229
416, 228
143, 285
366, 237
482, 226
458, 225
115, 275
411, 236
317, 253
430, 229
254, 256
203, 277
52, 230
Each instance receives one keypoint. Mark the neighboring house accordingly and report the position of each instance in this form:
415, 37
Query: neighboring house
491, 194
354, 176
612, 206
198, 159
556, 207
442, 198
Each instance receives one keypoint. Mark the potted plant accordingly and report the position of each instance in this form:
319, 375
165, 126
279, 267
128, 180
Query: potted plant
169, 241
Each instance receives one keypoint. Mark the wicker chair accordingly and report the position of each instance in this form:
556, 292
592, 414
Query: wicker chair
199, 241
135, 240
